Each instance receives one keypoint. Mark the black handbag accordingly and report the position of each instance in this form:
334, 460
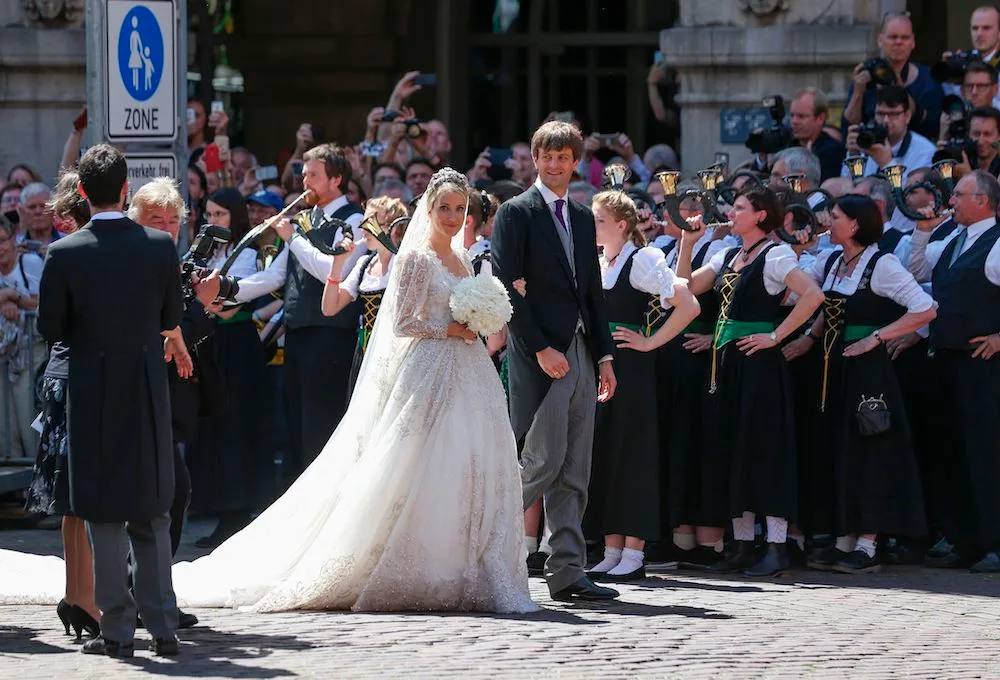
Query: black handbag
873, 416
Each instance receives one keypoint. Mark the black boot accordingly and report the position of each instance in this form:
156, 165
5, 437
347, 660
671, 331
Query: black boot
775, 562
739, 559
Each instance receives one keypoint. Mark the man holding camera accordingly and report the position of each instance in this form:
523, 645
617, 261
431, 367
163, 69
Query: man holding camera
888, 139
984, 135
896, 42
808, 117
319, 350
985, 33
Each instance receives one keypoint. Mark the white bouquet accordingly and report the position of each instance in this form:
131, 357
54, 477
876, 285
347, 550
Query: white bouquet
481, 303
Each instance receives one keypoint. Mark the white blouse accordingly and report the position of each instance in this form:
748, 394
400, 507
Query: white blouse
715, 246
650, 273
245, 264
779, 261
356, 283
890, 279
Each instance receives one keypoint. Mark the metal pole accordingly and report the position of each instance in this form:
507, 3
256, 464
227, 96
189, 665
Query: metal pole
96, 22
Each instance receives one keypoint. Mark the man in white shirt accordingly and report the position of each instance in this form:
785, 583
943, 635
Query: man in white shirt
318, 349
965, 339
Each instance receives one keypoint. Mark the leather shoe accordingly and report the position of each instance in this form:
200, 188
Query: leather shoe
101, 645
167, 647
536, 563
634, 575
584, 589
950, 560
184, 620
742, 557
774, 562
988, 565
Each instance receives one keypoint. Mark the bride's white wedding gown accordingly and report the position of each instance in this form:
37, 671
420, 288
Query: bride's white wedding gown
414, 504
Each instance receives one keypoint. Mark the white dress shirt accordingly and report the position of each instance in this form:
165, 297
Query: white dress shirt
108, 215
779, 261
649, 273
310, 257
923, 259
889, 280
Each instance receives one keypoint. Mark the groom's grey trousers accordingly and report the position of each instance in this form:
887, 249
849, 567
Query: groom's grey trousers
555, 463
152, 583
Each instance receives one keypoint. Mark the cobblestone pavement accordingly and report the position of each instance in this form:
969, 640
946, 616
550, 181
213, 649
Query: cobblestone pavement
905, 622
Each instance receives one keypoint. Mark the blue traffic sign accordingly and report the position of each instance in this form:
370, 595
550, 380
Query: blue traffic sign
140, 53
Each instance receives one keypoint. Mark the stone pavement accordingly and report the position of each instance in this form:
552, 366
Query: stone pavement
905, 622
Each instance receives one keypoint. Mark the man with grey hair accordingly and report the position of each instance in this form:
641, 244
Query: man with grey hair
34, 222
808, 116
880, 191
965, 338
393, 188
796, 161
582, 192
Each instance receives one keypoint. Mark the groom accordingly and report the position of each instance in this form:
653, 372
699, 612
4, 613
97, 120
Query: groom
558, 330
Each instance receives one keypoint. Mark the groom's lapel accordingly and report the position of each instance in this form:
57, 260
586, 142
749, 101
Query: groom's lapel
581, 222
546, 224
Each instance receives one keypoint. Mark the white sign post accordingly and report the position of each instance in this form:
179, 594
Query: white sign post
141, 71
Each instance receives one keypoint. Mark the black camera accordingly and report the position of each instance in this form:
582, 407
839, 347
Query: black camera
413, 129
880, 71
952, 69
872, 133
778, 136
209, 239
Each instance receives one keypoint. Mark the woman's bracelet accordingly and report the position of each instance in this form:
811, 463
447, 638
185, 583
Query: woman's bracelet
332, 281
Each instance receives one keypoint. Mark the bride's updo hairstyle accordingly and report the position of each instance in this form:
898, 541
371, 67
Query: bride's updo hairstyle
446, 179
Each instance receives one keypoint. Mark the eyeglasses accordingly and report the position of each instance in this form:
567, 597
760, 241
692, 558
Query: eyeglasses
975, 87
889, 114
963, 194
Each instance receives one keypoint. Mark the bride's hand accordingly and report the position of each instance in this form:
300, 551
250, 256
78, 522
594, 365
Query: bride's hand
520, 286
460, 330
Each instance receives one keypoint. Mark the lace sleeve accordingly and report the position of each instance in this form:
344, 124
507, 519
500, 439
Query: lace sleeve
412, 318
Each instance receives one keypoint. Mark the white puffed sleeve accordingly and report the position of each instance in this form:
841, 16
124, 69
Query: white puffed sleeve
779, 261
651, 274
892, 280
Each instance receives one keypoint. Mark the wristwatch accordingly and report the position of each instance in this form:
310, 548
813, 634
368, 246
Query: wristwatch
774, 336
878, 338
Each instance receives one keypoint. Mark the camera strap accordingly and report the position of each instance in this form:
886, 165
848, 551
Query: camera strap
904, 146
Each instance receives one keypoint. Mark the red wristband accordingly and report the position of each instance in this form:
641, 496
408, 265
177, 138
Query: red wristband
332, 281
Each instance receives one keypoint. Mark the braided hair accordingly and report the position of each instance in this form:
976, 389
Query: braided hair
446, 177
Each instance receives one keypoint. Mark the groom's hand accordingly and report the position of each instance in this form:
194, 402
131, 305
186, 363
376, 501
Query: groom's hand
553, 362
608, 382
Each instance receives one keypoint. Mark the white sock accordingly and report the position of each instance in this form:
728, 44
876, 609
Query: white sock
777, 529
612, 556
544, 545
743, 527
800, 540
717, 546
846, 543
530, 543
866, 545
684, 541
631, 560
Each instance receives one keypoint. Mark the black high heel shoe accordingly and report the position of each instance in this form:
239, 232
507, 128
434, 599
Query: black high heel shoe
82, 621
64, 611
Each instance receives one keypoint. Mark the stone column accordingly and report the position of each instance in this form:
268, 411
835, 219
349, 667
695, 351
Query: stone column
43, 65
731, 53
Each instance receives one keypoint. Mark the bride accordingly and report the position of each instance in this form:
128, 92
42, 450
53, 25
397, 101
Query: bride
414, 503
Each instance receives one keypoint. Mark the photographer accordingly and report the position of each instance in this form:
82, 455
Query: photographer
896, 42
984, 30
808, 117
888, 140
984, 133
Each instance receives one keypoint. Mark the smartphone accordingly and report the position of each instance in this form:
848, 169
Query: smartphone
607, 139
565, 116
426, 79
497, 159
211, 156
267, 172
217, 106
297, 168
657, 57
191, 115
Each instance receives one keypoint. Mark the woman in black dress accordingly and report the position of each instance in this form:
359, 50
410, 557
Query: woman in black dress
232, 466
49, 489
624, 484
866, 482
749, 435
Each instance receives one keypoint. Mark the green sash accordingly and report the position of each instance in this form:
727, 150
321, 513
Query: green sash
727, 330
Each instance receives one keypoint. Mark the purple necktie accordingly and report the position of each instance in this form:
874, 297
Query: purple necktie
559, 214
